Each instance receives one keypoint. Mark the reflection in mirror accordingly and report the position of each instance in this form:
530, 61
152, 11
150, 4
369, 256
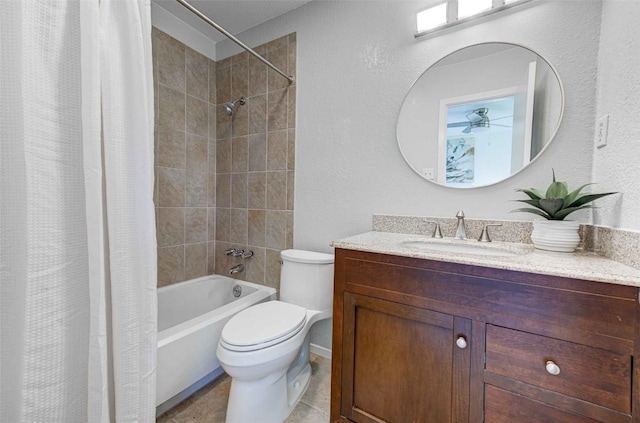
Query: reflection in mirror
480, 115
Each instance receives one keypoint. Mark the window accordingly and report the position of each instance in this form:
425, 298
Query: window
453, 12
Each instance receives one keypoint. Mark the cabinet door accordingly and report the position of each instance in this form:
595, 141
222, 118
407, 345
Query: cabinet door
403, 364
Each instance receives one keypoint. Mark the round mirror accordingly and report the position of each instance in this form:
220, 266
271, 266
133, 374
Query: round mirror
480, 115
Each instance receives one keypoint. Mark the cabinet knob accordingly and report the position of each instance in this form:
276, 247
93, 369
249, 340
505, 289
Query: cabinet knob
552, 368
461, 342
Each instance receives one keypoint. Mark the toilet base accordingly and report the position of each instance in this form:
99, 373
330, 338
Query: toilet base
271, 399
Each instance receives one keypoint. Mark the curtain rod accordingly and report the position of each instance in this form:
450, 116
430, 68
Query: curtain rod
234, 39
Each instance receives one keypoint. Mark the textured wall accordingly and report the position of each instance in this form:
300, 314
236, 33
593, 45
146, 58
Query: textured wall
356, 62
619, 97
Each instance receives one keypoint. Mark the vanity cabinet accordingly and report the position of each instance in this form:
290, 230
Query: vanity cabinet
416, 340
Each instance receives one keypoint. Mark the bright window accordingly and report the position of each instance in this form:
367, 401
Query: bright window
432, 17
468, 8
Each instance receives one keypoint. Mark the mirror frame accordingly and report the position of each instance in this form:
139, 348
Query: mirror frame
542, 151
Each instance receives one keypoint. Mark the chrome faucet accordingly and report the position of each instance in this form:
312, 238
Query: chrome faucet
236, 269
460, 230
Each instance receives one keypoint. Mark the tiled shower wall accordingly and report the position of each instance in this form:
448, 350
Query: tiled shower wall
255, 161
223, 181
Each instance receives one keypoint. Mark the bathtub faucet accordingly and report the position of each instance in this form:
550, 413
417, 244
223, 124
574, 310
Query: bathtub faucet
236, 269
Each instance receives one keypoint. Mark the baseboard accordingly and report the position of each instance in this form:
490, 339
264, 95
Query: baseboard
321, 351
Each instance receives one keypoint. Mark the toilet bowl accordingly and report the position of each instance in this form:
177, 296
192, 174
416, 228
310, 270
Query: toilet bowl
265, 348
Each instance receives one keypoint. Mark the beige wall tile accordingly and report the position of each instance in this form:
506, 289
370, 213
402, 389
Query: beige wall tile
291, 107
254, 267
257, 190
211, 190
277, 44
170, 265
290, 189
195, 260
257, 77
171, 187
211, 258
240, 78
170, 148
196, 189
212, 82
257, 114
289, 234
279, 57
223, 84
257, 222
257, 152
223, 190
240, 58
223, 262
197, 116
171, 108
277, 150
239, 154
276, 229
293, 47
212, 155
277, 110
223, 156
171, 66
197, 74
213, 117
170, 223
291, 149
277, 190
223, 123
197, 153
224, 63
272, 268
239, 190
238, 226
167, 38
240, 120
211, 224
223, 224
195, 225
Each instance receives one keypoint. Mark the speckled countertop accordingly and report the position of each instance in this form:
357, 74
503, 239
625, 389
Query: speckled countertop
579, 265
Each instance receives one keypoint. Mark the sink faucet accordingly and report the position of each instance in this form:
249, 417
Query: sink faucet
460, 230
236, 269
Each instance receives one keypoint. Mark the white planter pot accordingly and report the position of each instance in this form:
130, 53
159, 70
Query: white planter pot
555, 235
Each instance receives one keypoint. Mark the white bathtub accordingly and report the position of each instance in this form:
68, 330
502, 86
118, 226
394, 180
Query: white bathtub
191, 316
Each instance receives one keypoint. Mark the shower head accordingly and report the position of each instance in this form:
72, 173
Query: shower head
230, 107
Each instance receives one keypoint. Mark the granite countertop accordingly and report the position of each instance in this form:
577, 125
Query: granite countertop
579, 265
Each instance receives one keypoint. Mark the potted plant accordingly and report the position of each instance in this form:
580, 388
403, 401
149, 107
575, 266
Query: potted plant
555, 233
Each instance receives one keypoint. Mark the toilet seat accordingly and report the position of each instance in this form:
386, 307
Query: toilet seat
262, 326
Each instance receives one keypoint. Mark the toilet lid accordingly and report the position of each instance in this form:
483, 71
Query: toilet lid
263, 325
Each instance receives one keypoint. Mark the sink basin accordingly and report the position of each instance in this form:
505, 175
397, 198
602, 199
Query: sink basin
463, 248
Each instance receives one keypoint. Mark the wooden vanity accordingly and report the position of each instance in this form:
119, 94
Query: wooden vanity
428, 341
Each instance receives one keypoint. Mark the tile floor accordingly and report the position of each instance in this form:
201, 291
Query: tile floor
209, 405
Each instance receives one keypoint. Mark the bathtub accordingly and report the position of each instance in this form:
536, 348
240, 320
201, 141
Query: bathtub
191, 316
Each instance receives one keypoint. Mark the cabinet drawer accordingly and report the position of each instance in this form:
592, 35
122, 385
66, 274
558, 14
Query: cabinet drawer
505, 407
590, 374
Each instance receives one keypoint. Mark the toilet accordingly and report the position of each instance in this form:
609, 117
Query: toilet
265, 348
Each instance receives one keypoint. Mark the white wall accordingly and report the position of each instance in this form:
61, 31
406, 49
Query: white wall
616, 166
356, 62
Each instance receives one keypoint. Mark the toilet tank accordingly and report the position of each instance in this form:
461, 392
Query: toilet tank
306, 279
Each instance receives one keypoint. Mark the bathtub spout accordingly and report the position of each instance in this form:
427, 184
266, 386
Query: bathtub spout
236, 269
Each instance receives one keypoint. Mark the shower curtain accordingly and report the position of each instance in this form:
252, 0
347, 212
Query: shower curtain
77, 229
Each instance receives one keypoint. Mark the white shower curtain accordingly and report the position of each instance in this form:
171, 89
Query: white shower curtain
77, 227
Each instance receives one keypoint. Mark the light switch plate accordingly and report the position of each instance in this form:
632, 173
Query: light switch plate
602, 128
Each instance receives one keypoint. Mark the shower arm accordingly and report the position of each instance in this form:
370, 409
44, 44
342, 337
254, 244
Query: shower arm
235, 40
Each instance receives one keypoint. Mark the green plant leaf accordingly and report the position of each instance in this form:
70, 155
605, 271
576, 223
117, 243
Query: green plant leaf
566, 212
533, 193
534, 211
588, 198
531, 202
557, 190
571, 197
551, 205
